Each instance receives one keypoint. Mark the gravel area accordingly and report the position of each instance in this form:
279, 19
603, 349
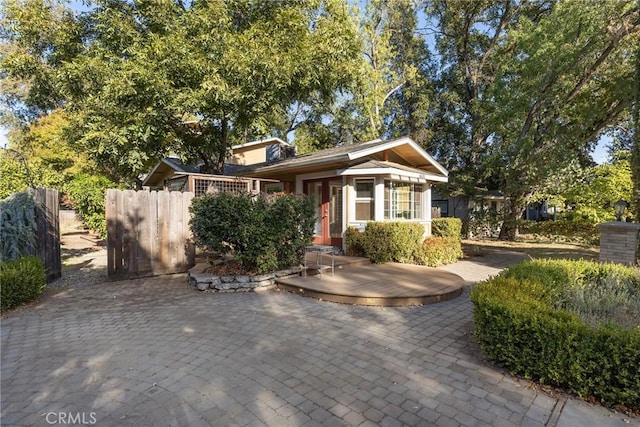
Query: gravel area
84, 259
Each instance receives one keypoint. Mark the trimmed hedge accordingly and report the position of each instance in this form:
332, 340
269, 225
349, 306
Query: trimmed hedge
21, 281
354, 242
402, 242
521, 325
265, 233
446, 227
437, 251
392, 241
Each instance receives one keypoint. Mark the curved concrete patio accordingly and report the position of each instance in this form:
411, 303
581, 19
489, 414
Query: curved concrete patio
156, 352
390, 285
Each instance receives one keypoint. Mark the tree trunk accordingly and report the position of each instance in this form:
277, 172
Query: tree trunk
514, 207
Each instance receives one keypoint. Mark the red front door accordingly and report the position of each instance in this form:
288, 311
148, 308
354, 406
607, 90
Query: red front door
328, 195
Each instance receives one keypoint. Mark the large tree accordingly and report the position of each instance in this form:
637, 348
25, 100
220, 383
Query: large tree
529, 86
138, 79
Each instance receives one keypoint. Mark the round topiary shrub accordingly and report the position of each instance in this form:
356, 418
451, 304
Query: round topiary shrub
570, 324
21, 280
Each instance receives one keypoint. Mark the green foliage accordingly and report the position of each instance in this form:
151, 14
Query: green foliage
528, 319
87, 194
392, 241
601, 186
482, 222
438, 250
265, 233
21, 280
571, 231
446, 227
403, 242
14, 174
196, 78
354, 241
17, 225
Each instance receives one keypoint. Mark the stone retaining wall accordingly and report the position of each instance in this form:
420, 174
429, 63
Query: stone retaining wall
204, 281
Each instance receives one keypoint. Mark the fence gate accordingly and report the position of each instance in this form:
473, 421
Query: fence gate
47, 246
148, 233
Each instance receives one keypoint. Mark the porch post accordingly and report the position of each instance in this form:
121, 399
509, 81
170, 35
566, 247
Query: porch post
378, 213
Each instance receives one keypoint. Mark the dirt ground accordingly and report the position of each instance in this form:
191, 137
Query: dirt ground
84, 257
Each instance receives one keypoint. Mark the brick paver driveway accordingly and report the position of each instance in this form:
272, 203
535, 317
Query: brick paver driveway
156, 352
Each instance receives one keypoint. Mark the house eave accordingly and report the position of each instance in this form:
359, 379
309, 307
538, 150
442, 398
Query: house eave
394, 173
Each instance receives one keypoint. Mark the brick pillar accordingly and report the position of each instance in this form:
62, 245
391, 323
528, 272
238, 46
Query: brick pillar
619, 242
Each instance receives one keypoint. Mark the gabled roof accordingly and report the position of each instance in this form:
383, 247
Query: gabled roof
403, 150
173, 166
166, 166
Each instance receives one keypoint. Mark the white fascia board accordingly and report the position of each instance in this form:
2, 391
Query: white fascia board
395, 143
393, 171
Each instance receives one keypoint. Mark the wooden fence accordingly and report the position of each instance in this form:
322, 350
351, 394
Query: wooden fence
48, 231
148, 233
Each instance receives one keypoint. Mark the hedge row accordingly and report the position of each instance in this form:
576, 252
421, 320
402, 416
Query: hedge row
521, 325
21, 281
571, 231
404, 242
87, 194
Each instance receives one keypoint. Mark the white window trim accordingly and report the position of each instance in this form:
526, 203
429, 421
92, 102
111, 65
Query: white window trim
356, 199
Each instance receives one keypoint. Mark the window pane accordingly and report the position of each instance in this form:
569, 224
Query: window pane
417, 201
364, 210
364, 189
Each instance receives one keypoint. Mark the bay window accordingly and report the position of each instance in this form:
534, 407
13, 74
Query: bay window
402, 200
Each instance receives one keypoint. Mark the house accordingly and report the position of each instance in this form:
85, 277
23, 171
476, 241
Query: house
354, 184
173, 175
460, 206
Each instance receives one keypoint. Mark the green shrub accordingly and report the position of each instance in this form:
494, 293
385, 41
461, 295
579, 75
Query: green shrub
392, 241
526, 322
264, 233
436, 251
446, 227
354, 242
87, 194
569, 231
17, 225
21, 281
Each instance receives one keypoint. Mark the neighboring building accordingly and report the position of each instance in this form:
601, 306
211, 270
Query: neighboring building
264, 150
353, 184
460, 206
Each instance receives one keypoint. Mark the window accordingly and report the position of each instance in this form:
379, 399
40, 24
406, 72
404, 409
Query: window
443, 205
365, 195
402, 200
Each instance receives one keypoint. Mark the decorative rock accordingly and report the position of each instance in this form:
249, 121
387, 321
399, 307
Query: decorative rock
263, 283
263, 277
229, 283
288, 272
202, 285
